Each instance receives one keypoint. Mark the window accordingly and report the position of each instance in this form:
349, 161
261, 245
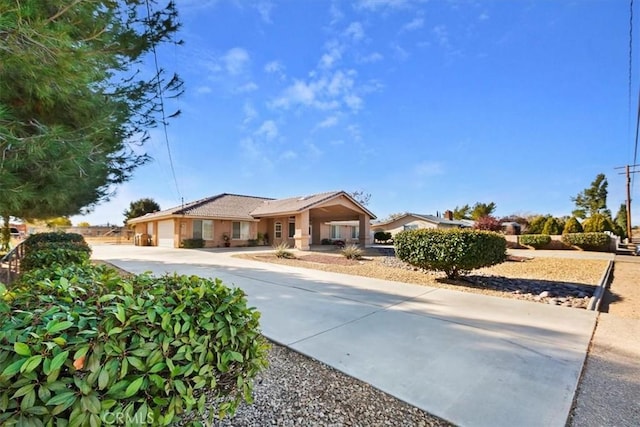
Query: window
240, 230
278, 230
335, 231
410, 227
355, 232
203, 229
292, 227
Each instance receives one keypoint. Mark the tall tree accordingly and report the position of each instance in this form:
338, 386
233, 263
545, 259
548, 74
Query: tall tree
482, 209
140, 207
592, 200
361, 197
621, 221
73, 101
463, 212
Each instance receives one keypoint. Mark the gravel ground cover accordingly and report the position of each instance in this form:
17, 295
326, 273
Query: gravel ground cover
565, 282
298, 391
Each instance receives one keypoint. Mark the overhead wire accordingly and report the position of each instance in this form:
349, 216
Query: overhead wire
162, 109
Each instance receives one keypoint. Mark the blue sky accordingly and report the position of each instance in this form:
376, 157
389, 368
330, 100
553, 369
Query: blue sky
427, 105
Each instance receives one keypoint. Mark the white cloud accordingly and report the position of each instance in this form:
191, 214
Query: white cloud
268, 129
298, 93
413, 25
335, 13
273, 67
236, 60
250, 113
353, 101
400, 53
372, 57
250, 148
336, 142
428, 169
313, 150
483, 16
355, 132
264, 8
325, 93
382, 4
289, 155
442, 35
330, 121
247, 87
355, 31
332, 56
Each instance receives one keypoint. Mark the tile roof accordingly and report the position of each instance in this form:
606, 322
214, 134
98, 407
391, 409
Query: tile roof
293, 204
232, 206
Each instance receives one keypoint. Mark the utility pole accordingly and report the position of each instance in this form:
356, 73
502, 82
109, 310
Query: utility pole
628, 173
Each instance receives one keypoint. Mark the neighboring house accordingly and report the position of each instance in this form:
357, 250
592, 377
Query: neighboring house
412, 221
237, 219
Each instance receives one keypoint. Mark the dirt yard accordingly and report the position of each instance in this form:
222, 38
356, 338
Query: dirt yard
623, 296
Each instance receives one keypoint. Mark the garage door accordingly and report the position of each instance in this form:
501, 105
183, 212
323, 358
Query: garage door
165, 234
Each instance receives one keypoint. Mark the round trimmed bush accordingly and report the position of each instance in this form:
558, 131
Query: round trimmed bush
572, 226
453, 251
82, 345
44, 250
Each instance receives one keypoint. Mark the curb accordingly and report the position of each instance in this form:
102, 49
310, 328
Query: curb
596, 299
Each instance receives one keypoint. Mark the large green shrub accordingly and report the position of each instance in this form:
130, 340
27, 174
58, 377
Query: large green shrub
536, 241
47, 249
552, 227
80, 345
598, 223
587, 241
454, 251
572, 226
537, 224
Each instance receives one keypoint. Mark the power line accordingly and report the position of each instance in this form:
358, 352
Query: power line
162, 110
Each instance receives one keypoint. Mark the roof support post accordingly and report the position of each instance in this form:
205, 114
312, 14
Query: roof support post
365, 230
302, 231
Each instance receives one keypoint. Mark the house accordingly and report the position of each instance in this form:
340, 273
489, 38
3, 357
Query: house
412, 221
237, 220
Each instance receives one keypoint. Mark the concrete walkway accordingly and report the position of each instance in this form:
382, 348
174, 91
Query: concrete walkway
471, 359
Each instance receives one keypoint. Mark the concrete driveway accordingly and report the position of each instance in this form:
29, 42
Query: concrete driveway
471, 359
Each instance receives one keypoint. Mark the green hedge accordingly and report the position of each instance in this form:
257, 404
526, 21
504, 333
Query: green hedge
454, 251
587, 241
193, 243
536, 241
80, 345
47, 249
382, 236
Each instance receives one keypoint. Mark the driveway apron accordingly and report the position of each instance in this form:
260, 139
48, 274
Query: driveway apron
471, 359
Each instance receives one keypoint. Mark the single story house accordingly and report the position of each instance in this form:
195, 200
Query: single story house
235, 220
412, 221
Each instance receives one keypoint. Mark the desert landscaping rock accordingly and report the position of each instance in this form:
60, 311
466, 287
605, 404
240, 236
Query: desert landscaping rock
296, 390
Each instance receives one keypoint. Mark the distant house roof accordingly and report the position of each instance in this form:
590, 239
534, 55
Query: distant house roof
432, 219
231, 206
